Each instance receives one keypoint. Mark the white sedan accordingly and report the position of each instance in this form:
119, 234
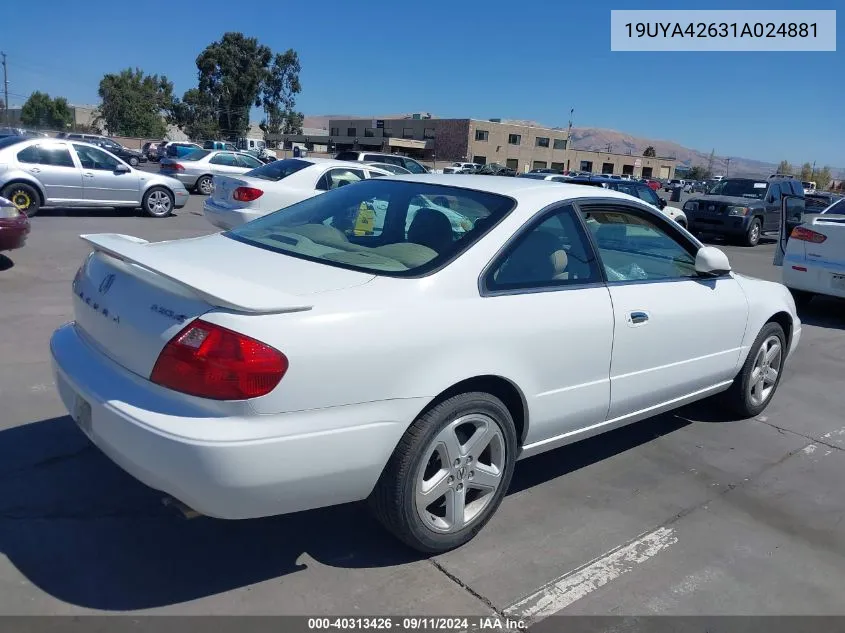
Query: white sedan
310, 358
814, 261
240, 199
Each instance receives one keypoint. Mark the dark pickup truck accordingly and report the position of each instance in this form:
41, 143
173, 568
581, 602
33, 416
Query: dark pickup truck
741, 208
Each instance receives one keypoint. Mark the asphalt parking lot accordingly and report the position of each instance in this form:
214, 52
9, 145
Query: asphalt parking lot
689, 513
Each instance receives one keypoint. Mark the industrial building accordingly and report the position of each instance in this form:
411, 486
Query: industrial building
440, 141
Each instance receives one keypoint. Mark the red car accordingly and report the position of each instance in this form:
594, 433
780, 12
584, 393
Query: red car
653, 184
14, 226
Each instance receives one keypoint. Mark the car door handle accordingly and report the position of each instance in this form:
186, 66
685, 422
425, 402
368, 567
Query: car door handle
34, 170
88, 174
637, 317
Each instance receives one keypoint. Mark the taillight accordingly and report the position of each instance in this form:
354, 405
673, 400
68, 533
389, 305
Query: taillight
210, 361
247, 194
806, 235
173, 167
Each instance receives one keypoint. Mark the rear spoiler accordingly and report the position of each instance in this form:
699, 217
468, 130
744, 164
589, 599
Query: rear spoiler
215, 287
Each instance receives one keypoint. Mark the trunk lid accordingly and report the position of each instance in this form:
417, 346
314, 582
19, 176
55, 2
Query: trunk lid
224, 193
131, 297
832, 250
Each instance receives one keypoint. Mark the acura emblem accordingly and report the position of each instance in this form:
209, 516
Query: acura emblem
105, 284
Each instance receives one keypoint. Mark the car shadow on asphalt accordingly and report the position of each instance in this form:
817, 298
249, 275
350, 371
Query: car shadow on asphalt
86, 533
826, 312
94, 212
5, 263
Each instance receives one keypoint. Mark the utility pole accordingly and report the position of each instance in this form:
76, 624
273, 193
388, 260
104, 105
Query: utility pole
710, 161
727, 167
6, 90
813, 173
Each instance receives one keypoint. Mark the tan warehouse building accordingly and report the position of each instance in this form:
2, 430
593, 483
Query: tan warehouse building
520, 147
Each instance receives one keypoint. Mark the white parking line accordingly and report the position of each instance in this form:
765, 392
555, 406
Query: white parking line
574, 585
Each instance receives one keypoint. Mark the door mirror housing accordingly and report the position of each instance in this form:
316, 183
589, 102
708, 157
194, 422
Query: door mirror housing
121, 169
661, 202
711, 262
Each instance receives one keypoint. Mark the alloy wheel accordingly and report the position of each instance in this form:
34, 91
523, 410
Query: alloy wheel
764, 376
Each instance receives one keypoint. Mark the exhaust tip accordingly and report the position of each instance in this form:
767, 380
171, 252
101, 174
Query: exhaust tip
184, 510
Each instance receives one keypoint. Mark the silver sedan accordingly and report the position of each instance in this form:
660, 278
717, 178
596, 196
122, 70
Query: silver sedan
46, 172
197, 170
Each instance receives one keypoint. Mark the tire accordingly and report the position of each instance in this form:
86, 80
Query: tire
204, 185
802, 298
752, 235
133, 161
25, 197
425, 453
157, 202
739, 398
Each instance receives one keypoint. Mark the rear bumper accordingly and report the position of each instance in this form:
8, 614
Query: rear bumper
188, 180
227, 467
227, 218
13, 232
817, 277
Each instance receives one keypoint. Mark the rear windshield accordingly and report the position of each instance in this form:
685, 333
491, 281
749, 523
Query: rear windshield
197, 154
392, 228
278, 169
739, 189
837, 207
347, 156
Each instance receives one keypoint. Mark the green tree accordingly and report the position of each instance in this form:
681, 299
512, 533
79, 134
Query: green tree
136, 104
196, 115
784, 167
42, 111
806, 171
823, 177
236, 74
699, 172
650, 151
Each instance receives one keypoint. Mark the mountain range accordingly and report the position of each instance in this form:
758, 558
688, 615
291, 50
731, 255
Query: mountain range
599, 139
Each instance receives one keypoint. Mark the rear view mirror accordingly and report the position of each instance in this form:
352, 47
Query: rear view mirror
711, 262
121, 169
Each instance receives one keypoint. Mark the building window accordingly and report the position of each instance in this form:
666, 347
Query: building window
388, 132
560, 143
512, 163
586, 165
407, 132
335, 131
514, 139
368, 131
558, 166
542, 141
607, 168
628, 169
479, 160
539, 164
428, 132
350, 131
481, 135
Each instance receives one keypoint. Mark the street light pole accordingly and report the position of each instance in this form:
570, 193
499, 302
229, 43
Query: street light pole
727, 167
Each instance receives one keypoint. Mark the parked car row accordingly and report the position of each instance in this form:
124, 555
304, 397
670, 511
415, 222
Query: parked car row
132, 156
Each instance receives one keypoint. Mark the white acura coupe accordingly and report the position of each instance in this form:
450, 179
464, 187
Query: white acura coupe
333, 352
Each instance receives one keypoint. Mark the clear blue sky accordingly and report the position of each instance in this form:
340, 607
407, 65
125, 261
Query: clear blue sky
509, 59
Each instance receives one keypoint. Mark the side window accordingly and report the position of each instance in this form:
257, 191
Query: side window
335, 178
648, 195
29, 155
57, 156
374, 174
414, 167
228, 160
248, 161
553, 253
93, 158
633, 247
774, 191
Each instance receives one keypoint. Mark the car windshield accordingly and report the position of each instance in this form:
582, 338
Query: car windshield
393, 169
414, 167
739, 188
393, 228
278, 169
197, 154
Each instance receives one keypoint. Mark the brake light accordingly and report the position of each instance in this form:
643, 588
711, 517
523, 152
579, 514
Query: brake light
806, 235
247, 194
210, 361
173, 167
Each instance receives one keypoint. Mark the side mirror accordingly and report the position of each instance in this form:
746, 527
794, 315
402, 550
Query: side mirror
121, 169
661, 202
711, 262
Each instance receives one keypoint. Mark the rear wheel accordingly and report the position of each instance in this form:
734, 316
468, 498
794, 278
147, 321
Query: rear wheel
24, 197
802, 297
133, 161
205, 185
756, 383
157, 202
752, 235
448, 474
